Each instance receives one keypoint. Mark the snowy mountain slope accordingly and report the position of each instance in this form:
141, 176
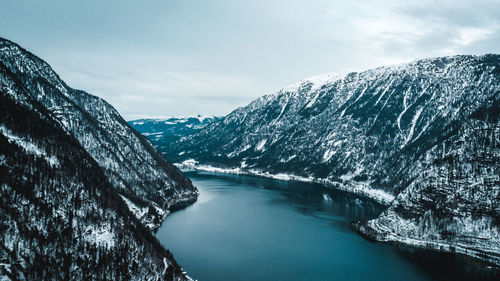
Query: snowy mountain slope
148, 183
376, 130
455, 202
60, 217
163, 132
352, 129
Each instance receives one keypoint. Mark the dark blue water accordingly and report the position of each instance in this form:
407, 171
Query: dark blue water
249, 228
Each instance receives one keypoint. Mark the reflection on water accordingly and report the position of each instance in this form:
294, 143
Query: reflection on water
250, 228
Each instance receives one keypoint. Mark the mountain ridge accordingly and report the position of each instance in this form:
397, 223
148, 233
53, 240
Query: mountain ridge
379, 129
64, 213
92, 120
162, 132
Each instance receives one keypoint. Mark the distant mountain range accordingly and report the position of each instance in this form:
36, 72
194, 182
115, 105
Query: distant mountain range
421, 137
164, 131
80, 189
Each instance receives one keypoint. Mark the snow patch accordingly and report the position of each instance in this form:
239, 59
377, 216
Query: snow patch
413, 123
327, 155
189, 162
29, 147
152, 134
165, 264
313, 101
138, 212
317, 81
100, 236
288, 159
260, 145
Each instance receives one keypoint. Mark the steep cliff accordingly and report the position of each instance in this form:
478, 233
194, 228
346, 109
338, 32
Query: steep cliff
80, 190
413, 132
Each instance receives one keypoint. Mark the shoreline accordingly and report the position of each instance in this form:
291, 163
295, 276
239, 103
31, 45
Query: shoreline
378, 196
381, 197
474, 254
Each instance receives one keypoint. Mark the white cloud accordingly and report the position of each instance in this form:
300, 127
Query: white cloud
139, 88
470, 35
209, 57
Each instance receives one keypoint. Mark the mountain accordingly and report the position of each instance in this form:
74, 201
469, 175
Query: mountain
81, 189
148, 183
425, 133
163, 132
454, 204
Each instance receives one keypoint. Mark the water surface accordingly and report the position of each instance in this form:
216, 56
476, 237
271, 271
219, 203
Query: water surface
250, 228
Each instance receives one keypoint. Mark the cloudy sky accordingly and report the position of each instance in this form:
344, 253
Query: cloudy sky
164, 57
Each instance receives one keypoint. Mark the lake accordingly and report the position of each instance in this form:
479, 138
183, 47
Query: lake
251, 228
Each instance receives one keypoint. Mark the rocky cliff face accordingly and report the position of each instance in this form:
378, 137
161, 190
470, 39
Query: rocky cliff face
385, 133
454, 204
80, 190
147, 182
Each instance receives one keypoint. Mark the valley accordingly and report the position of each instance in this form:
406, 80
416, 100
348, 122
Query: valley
420, 137
254, 228
407, 154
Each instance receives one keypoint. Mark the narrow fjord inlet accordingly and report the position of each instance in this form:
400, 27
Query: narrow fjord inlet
250, 228
158, 140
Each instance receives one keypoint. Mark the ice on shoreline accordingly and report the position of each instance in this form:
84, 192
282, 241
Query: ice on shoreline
360, 189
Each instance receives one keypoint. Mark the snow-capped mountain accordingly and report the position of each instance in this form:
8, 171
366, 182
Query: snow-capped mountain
164, 131
387, 133
131, 162
80, 188
454, 204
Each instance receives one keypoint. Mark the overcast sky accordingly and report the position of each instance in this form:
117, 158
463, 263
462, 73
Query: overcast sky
162, 58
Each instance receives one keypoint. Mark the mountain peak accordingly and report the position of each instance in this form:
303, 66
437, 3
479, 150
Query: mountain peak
81, 189
315, 82
384, 131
